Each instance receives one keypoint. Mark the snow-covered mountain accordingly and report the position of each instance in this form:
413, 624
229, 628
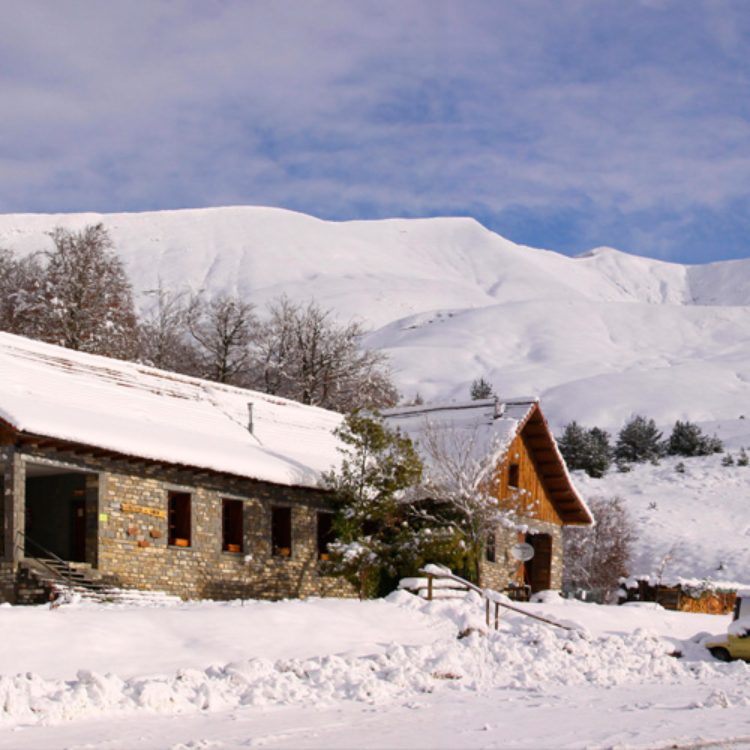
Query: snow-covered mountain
598, 337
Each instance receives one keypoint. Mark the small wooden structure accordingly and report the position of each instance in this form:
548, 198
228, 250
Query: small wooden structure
683, 598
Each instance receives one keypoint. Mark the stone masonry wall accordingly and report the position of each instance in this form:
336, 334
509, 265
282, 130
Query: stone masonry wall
7, 582
126, 511
500, 574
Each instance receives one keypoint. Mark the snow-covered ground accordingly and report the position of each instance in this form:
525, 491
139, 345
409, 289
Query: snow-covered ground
340, 674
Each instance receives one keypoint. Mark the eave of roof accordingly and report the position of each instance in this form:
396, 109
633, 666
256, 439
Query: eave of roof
81, 451
557, 480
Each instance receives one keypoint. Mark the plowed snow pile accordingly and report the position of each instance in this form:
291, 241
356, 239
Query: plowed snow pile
521, 655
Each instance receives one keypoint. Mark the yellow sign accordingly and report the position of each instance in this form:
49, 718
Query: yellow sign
133, 508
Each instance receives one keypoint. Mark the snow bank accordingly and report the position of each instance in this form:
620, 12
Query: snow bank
521, 655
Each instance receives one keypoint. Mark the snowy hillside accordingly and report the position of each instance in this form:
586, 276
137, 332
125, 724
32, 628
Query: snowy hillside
691, 527
597, 337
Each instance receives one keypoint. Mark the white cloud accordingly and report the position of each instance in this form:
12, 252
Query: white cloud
601, 109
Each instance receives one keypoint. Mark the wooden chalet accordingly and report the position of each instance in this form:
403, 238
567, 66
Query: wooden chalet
530, 480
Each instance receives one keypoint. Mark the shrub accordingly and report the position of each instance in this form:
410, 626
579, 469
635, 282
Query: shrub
596, 557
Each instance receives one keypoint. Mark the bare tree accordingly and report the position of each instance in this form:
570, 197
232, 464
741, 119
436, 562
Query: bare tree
165, 338
462, 485
303, 354
88, 298
223, 329
597, 556
21, 299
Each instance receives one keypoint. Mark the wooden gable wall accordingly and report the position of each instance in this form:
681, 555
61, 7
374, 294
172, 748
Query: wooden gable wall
536, 501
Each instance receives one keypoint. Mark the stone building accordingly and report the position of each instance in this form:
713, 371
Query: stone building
153, 480
147, 479
509, 448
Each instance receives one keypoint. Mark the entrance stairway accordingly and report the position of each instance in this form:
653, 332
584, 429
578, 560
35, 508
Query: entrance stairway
48, 579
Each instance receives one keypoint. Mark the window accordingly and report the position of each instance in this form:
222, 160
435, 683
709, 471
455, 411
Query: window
490, 548
281, 531
231, 515
178, 516
325, 533
513, 475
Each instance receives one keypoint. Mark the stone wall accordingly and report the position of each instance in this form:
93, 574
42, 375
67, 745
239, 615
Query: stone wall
7, 582
127, 532
506, 570
11, 503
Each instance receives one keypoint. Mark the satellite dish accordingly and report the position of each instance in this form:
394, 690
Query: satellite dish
522, 552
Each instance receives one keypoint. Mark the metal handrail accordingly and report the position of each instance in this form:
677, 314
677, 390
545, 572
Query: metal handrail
490, 596
65, 574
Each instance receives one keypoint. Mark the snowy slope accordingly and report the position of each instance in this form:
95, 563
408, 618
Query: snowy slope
596, 337
691, 527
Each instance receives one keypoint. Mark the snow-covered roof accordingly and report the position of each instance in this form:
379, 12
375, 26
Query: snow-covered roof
491, 425
488, 427
140, 411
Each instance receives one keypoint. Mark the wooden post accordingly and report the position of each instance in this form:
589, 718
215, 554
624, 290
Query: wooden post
497, 615
429, 588
487, 608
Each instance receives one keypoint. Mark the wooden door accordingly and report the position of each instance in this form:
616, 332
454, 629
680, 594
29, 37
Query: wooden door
538, 570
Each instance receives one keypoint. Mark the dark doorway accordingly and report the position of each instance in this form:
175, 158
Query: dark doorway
538, 570
56, 513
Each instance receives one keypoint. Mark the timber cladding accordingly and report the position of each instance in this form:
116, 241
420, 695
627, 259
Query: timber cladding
521, 490
529, 497
128, 532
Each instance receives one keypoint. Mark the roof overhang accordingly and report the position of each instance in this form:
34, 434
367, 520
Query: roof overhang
550, 464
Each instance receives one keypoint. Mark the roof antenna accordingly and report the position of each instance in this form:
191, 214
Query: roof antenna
250, 417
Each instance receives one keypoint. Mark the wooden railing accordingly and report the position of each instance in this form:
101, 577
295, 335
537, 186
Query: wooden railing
490, 597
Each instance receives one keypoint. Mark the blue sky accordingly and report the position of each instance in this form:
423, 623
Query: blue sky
564, 124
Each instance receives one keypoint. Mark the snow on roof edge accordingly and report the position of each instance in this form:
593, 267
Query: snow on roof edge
221, 411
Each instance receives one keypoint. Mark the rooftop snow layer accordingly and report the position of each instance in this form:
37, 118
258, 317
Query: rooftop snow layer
153, 414
470, 438
486, 425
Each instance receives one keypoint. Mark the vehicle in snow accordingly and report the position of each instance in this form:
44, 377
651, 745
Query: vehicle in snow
736, 643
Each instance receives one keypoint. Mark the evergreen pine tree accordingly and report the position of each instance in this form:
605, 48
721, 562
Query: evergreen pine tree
573, 445
481, 389
639, 440
728, 460
373, 538
600, 453
587, 450
742, 458
687, 439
